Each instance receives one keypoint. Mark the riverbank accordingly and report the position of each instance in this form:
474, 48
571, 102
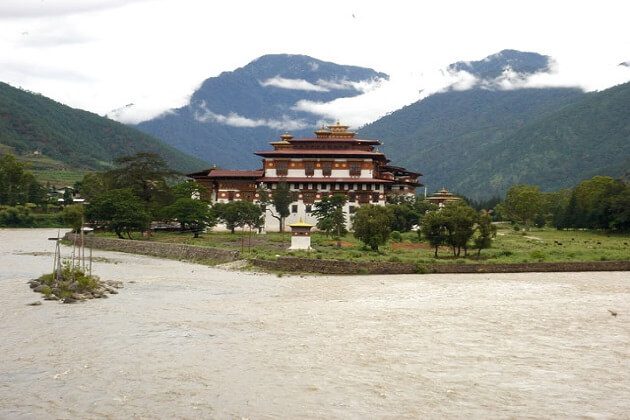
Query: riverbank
314, 263
186, 340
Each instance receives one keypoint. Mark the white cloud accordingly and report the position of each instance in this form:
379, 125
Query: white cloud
155, 53
293, 84
40, 8
203, 114
379, 98
322, 85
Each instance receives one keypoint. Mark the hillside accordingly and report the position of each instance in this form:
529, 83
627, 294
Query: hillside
232, 115
446, 135
480, 141
586, 138
55, 137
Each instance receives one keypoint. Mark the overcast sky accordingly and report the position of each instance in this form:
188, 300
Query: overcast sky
102, 54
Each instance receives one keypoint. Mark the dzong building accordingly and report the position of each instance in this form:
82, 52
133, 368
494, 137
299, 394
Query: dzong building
332, 162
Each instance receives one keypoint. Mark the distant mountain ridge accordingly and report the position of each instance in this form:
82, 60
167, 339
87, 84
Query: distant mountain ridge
480, 141
34, 124
495, 65
232, 115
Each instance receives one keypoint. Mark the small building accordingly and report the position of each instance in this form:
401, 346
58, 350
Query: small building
442, 197
332, 162
300, 235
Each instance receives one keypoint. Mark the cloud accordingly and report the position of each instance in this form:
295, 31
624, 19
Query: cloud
32, 69
379, 98
38, 8
293, 84
203, 114
560, 73
53, 35
322, 85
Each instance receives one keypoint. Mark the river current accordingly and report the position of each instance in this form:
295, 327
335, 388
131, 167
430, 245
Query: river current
182, 340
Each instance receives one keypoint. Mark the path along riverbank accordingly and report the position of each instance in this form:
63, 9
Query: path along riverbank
186, 340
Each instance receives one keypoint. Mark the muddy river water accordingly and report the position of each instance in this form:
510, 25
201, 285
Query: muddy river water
188, 341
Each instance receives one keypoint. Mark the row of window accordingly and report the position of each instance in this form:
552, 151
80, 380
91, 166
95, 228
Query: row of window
324, 187
309, 209
282, 168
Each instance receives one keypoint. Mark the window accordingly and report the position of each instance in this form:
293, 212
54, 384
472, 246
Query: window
308, 208
352, 197
294, 208
324, 187
355, 168
326, 168
296, 186
375, 198
352, 209
309, 168
282, 167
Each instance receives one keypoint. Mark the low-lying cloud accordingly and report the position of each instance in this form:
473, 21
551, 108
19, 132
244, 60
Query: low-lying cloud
203, 114
321, 85
293, 84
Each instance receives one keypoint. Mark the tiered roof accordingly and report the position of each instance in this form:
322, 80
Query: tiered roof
332, 141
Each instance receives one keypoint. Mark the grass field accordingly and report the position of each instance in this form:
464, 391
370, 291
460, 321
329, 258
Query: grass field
58, 178
537, 245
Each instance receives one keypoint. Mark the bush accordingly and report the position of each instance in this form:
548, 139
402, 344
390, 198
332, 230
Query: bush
537, 255
421, 268
18, 216
395, 236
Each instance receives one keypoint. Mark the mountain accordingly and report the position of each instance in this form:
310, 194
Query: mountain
232, 115
497, 65
480, 141
580, 140
446, 134
54, 136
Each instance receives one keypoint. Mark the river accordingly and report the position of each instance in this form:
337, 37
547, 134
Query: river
182, 340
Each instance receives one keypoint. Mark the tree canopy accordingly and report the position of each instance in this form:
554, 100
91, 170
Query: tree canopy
330, 215
119, 210
372, 225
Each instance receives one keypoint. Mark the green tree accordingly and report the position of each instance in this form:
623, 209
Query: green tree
192, 214
92, 184
459, 220
372, 225
280, 198
17, 185
119, 210
593, 201
330, 216
73, 216
408, 211
189, 189
147, 176
433, 229
522, 204
620, 210
238, 214
18, 216
486, 231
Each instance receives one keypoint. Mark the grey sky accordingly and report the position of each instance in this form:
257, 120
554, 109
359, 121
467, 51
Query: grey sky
102, 54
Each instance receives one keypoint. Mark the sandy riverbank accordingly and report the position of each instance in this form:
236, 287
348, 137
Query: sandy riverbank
185, 340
